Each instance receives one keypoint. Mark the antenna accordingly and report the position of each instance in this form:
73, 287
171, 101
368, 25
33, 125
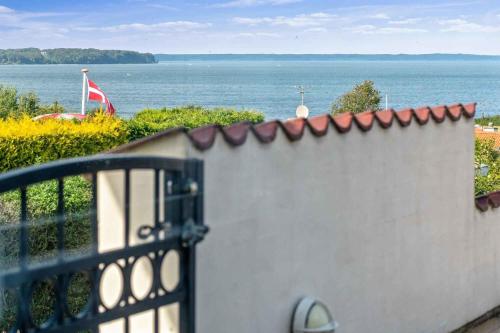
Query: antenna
302, 91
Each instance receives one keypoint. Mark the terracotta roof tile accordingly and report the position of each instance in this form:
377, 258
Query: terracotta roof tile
422, 115
455, 111
404, 117
439, 113
469, 110
385, 118
319, 125
484, 202
294, 129
266, 132
364, 120
343, 122
236, 134
203, 137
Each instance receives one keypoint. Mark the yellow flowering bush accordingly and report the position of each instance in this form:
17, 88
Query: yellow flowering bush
25, 142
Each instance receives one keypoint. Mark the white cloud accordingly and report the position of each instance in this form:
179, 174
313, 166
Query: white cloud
259, 34
464, 26
318, 29
252, 3
407, 21
369, 29
6, 10
380, 16
155, 27
304, 20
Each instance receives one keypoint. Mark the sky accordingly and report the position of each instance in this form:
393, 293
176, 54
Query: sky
255, 26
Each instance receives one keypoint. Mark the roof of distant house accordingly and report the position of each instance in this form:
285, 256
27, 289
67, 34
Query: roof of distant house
487, 135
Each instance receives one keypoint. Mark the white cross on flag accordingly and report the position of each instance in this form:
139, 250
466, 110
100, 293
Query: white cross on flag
96, 94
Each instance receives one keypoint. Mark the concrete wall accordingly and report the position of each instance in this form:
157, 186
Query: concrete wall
381, 226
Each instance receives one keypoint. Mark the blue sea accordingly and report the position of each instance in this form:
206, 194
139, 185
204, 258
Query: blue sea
265, 84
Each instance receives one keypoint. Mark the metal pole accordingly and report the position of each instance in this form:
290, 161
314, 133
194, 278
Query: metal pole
84, 88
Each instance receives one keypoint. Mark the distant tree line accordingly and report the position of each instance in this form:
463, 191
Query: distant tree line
74, 56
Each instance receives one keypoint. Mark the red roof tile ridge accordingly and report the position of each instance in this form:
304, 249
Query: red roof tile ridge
204, 137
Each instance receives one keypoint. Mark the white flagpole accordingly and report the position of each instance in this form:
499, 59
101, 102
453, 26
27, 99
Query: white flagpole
84, 88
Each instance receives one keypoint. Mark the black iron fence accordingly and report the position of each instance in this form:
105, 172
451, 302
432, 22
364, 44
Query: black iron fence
51, 259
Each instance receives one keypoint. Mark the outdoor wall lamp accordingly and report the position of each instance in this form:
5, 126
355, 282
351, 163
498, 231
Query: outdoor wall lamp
312, 316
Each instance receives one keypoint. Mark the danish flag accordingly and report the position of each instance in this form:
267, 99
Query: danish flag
96, 94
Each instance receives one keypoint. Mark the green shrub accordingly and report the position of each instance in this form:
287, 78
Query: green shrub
42, 241
25, 142
151, 121
14, 105
486, 154
363, 97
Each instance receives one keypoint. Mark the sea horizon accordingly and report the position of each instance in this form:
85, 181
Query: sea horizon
325, 57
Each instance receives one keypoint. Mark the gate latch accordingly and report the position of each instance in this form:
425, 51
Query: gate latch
193, 233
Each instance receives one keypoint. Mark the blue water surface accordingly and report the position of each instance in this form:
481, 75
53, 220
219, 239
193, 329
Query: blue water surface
268, 86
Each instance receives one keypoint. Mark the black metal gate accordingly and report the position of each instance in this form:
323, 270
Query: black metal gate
178, 192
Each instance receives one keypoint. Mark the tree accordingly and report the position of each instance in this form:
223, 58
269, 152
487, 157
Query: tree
8, 101
13, 105
363, 97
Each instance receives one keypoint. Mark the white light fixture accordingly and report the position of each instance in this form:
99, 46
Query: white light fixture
302, 111
312, 316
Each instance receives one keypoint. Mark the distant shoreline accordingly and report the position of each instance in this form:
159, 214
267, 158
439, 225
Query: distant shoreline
34, 56
326, 57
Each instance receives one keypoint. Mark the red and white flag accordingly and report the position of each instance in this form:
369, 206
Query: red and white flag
94, 93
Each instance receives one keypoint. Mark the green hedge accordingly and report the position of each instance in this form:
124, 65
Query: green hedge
42, 242
486, 154
151, 121
25, 142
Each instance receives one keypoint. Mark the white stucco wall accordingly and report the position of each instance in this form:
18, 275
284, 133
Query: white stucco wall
381, 226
